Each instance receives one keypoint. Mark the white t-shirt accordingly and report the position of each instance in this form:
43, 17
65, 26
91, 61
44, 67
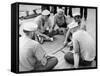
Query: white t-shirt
29, 52
84, 43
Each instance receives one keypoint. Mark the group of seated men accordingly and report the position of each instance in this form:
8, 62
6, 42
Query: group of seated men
32, 57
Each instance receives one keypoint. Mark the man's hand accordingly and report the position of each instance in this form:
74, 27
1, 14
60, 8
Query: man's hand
70, 44
65, 43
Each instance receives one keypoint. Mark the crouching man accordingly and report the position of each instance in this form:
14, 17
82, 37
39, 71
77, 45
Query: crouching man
76, 21
83, 53
44, 26
32, 56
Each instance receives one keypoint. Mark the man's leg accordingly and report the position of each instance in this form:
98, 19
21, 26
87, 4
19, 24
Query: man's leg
51, 63
60, 31
53, 33
63, 29
50, 34
45, 37
69, 58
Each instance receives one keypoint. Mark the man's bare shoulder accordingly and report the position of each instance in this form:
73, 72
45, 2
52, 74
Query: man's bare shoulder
78, 33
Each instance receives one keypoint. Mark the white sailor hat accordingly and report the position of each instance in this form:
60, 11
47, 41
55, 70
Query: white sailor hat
76, 14
45, 12
29, 26
72, 25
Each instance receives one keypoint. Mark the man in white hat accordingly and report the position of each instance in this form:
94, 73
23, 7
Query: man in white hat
77, 21
77, 18
44, 26
31, 55
84, 50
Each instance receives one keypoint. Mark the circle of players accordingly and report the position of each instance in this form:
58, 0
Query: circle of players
32, 57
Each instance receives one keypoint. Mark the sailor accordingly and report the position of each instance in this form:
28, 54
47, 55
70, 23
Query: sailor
60, 20
84, 52
44, 26
76, 21
32, 56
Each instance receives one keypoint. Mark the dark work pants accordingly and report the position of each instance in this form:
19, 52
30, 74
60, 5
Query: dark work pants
61, 32
51, 63
70, 59
50, 34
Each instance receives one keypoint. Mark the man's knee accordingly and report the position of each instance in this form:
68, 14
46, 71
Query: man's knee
69, 57
54, 60
51, 63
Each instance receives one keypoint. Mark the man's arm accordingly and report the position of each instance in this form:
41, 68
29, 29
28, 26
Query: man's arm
54, 22
50, 24
67, 36
40, 54
76, 60
76, 53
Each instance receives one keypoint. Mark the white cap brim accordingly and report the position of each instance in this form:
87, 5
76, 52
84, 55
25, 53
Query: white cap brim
72, 25
45, 12
76, 14
60, 10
